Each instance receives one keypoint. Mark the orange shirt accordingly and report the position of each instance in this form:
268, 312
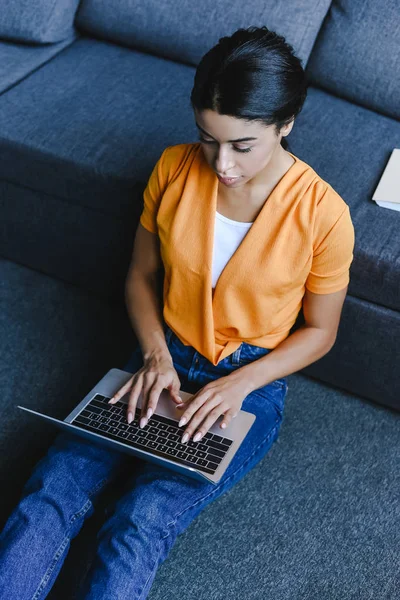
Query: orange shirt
303, 237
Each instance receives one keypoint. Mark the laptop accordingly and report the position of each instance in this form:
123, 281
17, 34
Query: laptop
160, 440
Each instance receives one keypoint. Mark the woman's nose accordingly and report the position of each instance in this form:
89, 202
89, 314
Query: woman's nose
223, 163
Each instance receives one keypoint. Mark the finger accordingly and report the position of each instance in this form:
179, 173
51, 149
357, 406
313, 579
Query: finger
196, 402
122, 391
202, 429
229, 415
174, 390
201, 417
149, 407
133, 398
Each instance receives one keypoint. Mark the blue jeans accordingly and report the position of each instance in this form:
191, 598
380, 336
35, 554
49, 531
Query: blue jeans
144, 523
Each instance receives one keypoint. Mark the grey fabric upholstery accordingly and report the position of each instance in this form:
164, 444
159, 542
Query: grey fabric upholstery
184, 31
41, 21
357, 54
19, 60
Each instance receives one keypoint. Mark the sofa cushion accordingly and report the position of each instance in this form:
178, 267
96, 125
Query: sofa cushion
357, 54
349, 147
41, 21
184, 31
112, 112
18, 60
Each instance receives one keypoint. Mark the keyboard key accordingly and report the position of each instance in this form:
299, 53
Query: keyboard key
217, 445
94, 409
215, 459
200, 454
227, 442
212, 466
216, 452
83, 420
94, 416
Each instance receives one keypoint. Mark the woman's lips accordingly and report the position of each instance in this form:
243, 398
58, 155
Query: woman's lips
227, 180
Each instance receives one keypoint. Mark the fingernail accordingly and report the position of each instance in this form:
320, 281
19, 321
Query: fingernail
197, 436
142, 423
223, 425
149, 413
182, 421
111, 400
130, 417
185, 438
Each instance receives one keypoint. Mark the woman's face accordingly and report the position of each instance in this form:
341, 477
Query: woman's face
229, 155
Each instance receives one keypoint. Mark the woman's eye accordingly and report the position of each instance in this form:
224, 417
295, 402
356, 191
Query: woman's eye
211, 142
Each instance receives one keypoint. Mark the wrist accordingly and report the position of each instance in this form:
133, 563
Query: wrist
244, 380
157, 355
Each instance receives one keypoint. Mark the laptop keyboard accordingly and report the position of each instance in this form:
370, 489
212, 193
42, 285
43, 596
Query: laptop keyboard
161, 436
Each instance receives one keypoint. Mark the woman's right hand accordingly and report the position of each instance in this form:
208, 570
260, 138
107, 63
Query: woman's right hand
157, 373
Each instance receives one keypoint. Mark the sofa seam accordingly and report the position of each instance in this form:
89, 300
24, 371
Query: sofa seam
67, 200
76, 37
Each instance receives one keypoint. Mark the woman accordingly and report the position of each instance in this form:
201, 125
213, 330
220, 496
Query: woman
241, 257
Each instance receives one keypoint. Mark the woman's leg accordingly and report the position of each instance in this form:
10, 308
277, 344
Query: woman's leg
55, 501
159, 503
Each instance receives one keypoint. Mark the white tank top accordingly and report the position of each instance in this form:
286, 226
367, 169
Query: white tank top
227, 237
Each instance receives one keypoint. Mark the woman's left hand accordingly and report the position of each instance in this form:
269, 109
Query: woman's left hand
224, 396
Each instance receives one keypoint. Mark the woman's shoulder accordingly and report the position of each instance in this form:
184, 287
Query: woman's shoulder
320, 192
181, 153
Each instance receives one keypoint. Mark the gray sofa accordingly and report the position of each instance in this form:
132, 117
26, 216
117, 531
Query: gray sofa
91, 93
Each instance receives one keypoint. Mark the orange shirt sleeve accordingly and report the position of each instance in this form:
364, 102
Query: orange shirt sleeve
153, 193
333, 247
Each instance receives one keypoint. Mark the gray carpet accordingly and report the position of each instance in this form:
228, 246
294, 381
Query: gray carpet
317, 518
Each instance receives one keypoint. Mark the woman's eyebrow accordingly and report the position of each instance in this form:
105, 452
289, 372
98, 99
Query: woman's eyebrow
246, 139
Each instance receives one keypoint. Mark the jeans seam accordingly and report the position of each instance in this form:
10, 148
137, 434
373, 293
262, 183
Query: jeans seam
50, 569
218, 487
151, 571
81, 512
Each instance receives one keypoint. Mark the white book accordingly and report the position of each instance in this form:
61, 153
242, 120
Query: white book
387, 194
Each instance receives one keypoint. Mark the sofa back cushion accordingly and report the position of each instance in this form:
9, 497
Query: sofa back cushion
184, 31
357, 54
38, 21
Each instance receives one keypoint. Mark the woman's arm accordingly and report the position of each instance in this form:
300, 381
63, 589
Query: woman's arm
141, 295
307, 344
